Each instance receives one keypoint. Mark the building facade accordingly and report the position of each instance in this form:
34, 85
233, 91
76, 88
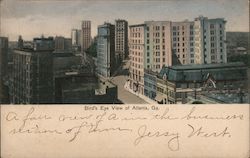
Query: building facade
32, 77
3, 56
183, 42
86, 35
136, 55
121, 39
210, 37
106, 50
76, 36
63, 44
3, 68
158, 48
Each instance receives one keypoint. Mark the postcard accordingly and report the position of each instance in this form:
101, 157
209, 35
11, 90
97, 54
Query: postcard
123, 78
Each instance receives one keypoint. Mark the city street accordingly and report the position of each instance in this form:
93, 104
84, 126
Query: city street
120, 79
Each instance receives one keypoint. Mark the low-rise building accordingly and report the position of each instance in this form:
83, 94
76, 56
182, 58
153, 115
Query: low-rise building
176, 83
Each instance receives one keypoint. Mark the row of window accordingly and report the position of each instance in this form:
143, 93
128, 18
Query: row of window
183, 27
183, 33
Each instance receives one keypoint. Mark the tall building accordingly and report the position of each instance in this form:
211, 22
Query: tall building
136, 55
106, 50
210, 37
86, 35
183, 42
158, 49
32, 78
121, 39
76, 37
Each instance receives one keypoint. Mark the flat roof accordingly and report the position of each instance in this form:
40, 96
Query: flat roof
137, 25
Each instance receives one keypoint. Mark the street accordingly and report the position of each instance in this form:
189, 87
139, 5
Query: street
123, 95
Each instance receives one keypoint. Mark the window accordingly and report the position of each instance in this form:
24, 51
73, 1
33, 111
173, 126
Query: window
147, 41
163, 53
221, 44
147, 34
183, 44
183, 55
174, 28
174, 44
147, 47
148, 54
163, 59
191, 55
163, 27
212, 44
147, 28
212, 32
163, 46
191, 49
148, 61
211, 26
174, 33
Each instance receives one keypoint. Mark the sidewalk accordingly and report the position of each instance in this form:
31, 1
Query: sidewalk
148, 100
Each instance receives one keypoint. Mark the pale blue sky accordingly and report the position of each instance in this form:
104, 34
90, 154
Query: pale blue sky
32, 18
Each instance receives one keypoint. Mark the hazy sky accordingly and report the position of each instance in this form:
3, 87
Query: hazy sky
31, 18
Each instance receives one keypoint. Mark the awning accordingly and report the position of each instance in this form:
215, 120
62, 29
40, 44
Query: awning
159, 97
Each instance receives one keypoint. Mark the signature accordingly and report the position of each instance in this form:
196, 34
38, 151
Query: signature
143, 133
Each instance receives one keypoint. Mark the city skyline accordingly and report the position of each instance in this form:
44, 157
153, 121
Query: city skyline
57, 18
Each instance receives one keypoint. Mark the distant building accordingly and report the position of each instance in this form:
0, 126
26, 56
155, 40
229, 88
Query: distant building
136, 55
210, 37
176, 83
32, 77
106, 50
121, 39
76, 39
43, 44
86, 35
63, 44
20, 42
